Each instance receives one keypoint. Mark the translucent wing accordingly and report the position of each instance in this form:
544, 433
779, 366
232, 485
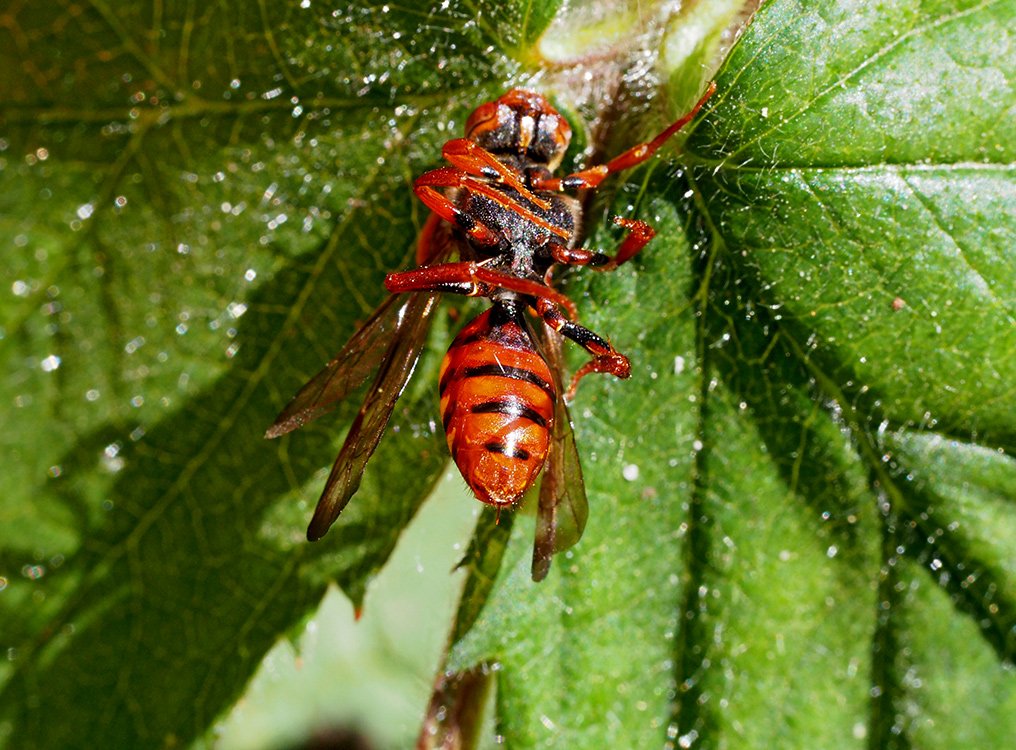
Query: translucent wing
390, 342
563, 508
368, 347
397, 364
351, 366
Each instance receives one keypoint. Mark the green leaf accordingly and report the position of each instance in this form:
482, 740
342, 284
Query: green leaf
817, 549
801, 529
198, 204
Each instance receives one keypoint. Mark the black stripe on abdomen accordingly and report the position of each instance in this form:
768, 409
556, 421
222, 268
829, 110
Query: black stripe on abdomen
517, 452
515, 373
511, 407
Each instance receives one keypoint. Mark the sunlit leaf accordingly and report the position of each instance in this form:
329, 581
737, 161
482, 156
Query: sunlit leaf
801, 529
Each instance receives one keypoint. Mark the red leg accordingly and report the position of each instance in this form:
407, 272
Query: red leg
639, 234
593, 176
469, 156
587, 178
439, 203
472, 279
605, 357
575, 256
614, 363
428, 246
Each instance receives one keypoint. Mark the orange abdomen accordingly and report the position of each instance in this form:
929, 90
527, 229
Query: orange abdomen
497, 405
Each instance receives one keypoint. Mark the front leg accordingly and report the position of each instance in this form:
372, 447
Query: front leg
593, 176
439, 203
639, 235
471, 157
473, 280
447, 210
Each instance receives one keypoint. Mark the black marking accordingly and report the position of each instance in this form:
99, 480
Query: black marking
505, 312
517, 452
472, 338
508, 326
515, 373
448, 376
446, 418
511, 407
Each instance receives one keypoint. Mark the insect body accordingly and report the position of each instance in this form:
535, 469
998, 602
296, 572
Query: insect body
501, 209
497, 404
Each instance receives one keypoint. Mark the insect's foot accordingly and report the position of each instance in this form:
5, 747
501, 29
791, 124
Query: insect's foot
614, 363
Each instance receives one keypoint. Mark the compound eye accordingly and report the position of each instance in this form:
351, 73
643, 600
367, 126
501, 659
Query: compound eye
552, 140
562, 133
484, 118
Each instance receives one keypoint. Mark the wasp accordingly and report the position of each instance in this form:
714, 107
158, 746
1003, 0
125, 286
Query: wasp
499, 210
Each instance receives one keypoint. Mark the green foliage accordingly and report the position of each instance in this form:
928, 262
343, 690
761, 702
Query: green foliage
801, 529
